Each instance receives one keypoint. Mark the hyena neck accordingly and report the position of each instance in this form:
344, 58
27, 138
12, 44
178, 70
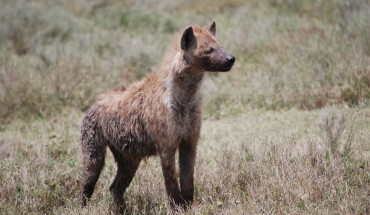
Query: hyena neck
182, 84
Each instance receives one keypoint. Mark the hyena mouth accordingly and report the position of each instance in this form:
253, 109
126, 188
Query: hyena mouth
225, 68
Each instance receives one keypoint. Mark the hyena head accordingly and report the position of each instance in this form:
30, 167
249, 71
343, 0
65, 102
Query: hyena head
202, 51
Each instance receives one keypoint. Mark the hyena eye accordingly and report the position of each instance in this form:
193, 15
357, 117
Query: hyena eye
208, 51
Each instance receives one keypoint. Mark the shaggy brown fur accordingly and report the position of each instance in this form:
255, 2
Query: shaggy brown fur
157, 115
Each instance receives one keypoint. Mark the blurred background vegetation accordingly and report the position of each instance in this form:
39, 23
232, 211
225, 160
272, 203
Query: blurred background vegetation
301, 54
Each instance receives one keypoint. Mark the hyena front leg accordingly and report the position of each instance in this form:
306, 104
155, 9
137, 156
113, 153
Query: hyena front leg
187, 153
169, 173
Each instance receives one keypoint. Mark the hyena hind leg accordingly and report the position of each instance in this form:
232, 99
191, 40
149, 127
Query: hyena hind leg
126, 168
94, 155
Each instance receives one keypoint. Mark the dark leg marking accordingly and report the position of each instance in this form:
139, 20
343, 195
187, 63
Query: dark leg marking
170, 179
187, 153
93, 164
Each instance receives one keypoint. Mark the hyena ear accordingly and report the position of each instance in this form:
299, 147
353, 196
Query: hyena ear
211, 27
187, 38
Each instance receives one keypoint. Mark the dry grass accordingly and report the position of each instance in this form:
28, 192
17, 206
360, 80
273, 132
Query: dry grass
256, 163
286, 132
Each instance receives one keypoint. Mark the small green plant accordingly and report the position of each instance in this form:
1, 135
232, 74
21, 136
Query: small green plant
337, 133
333, 125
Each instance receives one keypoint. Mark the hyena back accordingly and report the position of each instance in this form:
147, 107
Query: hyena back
157, 115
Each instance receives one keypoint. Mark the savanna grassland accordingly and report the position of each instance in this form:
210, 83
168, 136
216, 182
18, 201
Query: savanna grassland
287, 131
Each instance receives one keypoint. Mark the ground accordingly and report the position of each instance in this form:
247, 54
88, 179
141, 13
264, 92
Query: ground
253, 163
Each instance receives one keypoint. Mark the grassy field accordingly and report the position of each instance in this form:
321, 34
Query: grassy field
259, 162
287, 131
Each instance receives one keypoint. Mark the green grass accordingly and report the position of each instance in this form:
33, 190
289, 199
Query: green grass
285, 132
301, 54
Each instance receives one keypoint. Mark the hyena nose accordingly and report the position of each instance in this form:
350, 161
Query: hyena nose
231, 59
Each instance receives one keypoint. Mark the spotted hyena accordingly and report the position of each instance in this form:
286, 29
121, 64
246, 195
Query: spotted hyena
156, 116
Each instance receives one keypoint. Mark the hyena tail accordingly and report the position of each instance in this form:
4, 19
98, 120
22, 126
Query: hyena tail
94, 150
